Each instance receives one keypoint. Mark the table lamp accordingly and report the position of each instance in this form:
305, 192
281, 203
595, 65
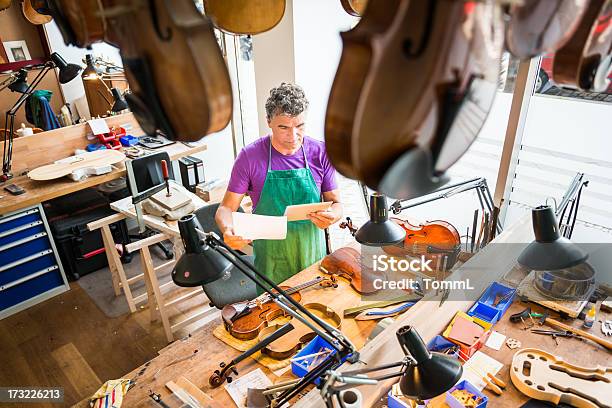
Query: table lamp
379, 230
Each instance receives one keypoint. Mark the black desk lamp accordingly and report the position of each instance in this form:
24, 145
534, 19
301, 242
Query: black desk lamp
207, 259
550, 251
67, 72
423, 374
16, 82
379, 230
119, 102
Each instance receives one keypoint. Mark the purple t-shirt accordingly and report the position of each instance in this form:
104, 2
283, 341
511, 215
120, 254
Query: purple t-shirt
251, 166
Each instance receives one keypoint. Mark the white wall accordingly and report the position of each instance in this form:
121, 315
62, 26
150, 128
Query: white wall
304, 48
318, 46
273, 53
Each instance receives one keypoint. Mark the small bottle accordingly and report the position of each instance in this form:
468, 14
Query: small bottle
589, 318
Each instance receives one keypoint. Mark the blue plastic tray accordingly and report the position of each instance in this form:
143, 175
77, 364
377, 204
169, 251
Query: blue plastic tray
488, 297
465, 385
300, 368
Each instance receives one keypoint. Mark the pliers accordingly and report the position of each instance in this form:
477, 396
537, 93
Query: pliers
555, 334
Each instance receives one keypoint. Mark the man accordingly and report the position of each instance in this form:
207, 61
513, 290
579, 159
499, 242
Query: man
282, 169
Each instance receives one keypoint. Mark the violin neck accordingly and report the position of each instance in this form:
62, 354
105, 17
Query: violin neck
294, 289
303, 286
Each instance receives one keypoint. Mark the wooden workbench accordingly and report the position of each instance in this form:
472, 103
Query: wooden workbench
212, 351
427, 316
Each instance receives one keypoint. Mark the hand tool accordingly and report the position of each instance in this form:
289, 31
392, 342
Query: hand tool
165, 174
556, 333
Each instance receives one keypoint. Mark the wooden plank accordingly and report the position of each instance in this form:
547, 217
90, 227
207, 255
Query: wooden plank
165, 265
201, 397
184, 297
114, 262
111, 219
145, 242
150, 276
194, 318
81, 376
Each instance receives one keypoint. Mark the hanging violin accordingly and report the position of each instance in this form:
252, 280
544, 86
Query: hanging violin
585, 61
426, 83
178, 78
437, 240
245, 16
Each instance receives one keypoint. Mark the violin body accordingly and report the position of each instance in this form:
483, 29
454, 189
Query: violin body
355, 63
291, 343
430, 80
245, 16
245, 320
584, 62
535, 27
249, 325
173, 44
436, 240
346, 263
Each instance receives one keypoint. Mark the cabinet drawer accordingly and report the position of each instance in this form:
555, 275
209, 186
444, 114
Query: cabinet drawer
26, 266
28, 247
29, 289
9, 222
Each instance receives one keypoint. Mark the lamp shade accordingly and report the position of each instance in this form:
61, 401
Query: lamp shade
119, 103
67, 72
90, 71
380, 230
432, 374
201, 264
21, 82
549, 251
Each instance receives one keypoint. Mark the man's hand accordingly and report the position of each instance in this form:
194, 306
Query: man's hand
322, 219
234, 241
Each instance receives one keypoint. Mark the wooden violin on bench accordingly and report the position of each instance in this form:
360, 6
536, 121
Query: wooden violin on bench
245, 320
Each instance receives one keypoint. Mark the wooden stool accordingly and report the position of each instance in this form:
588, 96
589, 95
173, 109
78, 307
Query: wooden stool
154, 289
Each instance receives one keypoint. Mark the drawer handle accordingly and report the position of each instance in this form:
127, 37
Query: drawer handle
25, 260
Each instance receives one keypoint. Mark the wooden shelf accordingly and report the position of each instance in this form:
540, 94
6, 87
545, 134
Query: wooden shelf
16, 66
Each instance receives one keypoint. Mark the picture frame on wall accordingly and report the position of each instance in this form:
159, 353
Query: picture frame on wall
16, 51
3, 56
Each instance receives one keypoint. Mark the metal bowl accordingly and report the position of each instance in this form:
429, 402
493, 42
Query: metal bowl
575, 283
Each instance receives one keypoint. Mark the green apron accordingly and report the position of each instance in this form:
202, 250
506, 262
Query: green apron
305, 244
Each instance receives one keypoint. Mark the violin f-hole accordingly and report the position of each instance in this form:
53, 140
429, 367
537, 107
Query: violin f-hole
407, 43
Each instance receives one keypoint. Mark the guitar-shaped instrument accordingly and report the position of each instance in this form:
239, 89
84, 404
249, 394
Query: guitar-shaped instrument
546, 377
430, 82
437, 240
534, 27
178, 79
245, 320
585, 61
245, 16
98, 158
346, 263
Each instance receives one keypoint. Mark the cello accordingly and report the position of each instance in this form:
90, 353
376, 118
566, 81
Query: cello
245, 16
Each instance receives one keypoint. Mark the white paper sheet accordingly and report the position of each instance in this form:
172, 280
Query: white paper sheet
481, 364
495, 340
238, 388
98, 126
253, 226
301, 211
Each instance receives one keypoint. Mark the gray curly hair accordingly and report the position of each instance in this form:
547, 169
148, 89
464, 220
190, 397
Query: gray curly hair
286, 99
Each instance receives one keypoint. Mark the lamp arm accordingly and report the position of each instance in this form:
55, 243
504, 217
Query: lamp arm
400, 205
9, 127
8, 81
278, 294
334, 337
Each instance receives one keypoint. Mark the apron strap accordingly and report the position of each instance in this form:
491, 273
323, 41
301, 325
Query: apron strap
270, 155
